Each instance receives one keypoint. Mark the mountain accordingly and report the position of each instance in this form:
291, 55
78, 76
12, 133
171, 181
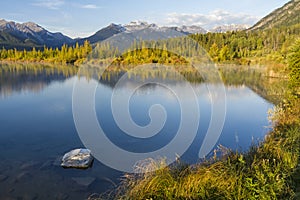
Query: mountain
287, 15
135, 26
125, 39
103, 34
192, 29
29, 34
140, 30
231, 27
138, 25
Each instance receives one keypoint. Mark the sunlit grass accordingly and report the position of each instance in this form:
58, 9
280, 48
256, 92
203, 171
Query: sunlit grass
266, 171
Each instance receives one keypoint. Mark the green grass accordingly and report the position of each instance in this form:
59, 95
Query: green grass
265, 172
269, 170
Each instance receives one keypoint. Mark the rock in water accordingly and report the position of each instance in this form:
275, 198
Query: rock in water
77, 158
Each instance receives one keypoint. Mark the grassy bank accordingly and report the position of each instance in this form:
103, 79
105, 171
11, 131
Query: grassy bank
269, 170
265, 172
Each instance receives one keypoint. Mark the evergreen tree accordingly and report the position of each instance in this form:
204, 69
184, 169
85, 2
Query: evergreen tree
294, 65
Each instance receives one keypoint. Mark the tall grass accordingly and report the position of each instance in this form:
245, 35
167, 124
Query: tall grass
266, 171
269, 170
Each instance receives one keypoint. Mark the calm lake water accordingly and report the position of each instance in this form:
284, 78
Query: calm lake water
37, 127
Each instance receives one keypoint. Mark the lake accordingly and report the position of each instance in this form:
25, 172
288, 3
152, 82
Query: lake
37, 125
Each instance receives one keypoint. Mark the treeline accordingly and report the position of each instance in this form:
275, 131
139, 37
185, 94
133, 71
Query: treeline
247, 46
269, 170
66, 54
161, 51
294, 67
239, 47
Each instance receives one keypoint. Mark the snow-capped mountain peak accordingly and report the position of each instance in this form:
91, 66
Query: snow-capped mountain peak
229, 27
138, 25
192, 29
34, 33
141, 25
117, 27
31, 26
28, 27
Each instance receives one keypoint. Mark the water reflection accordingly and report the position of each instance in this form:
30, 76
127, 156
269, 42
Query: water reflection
16, 78
20, 77
37, 127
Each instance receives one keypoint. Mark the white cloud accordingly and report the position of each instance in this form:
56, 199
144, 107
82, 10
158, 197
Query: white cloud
89, 6
208, 21
50, 4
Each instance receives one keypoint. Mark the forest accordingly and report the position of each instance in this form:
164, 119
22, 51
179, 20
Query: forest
64, 55
239, 47
268, 170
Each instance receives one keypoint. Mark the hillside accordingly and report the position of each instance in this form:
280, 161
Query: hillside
287, 15
139, 30
103, 34
29, 34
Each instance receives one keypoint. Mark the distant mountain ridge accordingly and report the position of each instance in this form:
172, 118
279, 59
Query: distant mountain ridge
143, 30
29, 34
231, 27
140, 30
140, 25
287, 15
103, 34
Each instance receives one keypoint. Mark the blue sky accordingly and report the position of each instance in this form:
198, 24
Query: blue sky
82, 18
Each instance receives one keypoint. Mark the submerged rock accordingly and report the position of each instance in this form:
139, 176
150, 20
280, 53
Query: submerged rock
61, 196
29, 165
3, 177
47, 165
77, 158
57, 161
84, 181
23, 176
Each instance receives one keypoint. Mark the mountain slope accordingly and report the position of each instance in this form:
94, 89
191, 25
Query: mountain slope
287, 15
231, 27
103, 34
140, 30
126, 39
29, 34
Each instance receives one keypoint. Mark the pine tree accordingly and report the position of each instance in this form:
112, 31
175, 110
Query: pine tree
294, 66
